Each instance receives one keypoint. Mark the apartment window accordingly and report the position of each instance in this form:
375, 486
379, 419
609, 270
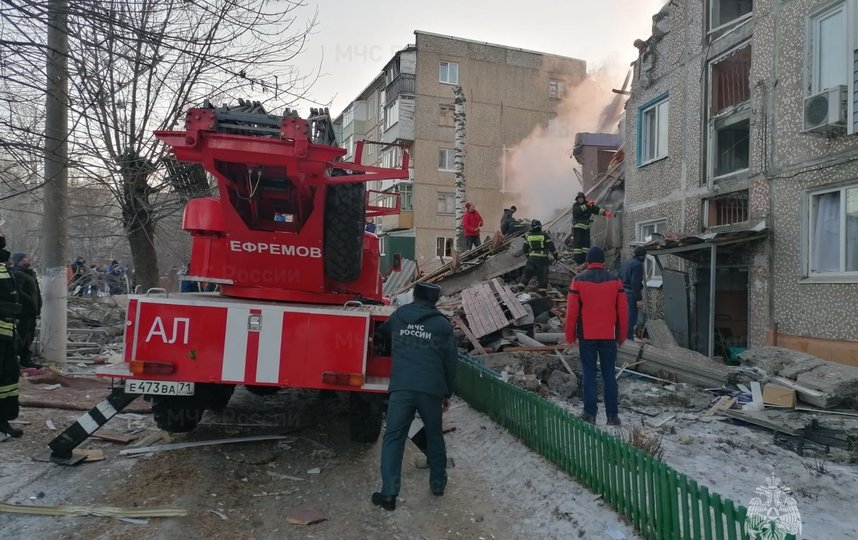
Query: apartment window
381, 100
391, 115
833, 232
731, 145
829, 49
446, 203
556, 89
448, 73
645, 232
652, 126
727, 209
406, 193
445, 115
349, 145
443, 246
348, 116
371, 108
446, 159
731, 80
724, 12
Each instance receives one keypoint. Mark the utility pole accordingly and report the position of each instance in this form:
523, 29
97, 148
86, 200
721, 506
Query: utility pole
54, 319
459, 162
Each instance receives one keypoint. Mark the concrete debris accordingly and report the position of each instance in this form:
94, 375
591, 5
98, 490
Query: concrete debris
563, 384
682, 365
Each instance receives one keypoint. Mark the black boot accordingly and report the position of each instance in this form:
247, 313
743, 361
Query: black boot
388, 502
9, 430
29, 364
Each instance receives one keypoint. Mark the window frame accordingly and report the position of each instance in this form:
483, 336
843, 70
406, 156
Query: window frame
406, 193
556, 89
447, 73
452, 160
446, 106
652, 105
447, 245
732, 22
445, 195
814, 20
652, 273
391, 119
720, 122
807, 234
850, 10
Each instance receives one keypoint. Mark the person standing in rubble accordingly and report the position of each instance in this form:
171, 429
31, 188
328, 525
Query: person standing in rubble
538, 247
596, 312
507, 222
422, 379
632, 275
30, 297
582, 215
472, 221
10, 309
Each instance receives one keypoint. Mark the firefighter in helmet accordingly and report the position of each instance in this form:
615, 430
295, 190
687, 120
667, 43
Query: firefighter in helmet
582, 215
538, 246
10, 309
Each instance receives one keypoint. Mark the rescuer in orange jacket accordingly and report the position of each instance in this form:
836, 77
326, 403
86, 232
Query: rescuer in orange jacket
471, 223
597, 313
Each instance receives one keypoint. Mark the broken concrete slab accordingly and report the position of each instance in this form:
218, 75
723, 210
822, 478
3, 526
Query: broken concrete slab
563, 384
838, 381
780, 361
659, 334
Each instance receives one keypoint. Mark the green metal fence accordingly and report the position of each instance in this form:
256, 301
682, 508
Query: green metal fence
661, 503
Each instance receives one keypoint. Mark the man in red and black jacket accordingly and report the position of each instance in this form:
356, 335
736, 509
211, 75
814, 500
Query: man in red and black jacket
597, 312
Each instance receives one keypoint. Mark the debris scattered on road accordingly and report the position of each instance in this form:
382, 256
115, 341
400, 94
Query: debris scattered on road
102, 511
305, 515
196, 444
219, 514
283, 476
314, 470
50, 424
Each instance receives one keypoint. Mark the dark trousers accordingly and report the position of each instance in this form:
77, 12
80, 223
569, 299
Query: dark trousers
471, 242
26, 329
606, 352
580, 244
8, 380
633, 316
401, 407
536, 267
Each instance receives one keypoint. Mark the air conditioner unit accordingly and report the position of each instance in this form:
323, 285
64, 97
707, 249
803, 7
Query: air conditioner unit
826, 111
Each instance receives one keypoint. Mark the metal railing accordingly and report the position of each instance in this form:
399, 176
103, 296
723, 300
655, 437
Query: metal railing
660, 502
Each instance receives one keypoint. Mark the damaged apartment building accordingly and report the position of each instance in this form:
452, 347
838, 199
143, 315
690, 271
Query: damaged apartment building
742, 173
509, 91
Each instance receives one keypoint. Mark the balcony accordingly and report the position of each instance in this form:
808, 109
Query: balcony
404, 83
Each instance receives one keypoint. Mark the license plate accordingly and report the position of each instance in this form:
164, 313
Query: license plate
160, 388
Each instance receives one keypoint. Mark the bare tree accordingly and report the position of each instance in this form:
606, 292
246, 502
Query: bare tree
135, 68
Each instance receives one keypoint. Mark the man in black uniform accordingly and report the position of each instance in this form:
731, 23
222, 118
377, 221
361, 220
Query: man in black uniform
422, 379
31, 307
582, 215
632, 275
9, 310
538, 246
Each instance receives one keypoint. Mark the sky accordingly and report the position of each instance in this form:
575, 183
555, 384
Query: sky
353, 40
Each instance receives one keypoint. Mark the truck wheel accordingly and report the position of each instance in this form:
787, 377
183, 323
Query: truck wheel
345, 208
365, 411
177, 414
216, 396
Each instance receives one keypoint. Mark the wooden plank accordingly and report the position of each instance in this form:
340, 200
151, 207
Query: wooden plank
764, 419
471, 313
470, 335
494, 310
480, 324
508, 298
113, 436
723, 403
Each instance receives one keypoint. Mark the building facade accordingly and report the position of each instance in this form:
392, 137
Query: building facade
742, 119
509, 91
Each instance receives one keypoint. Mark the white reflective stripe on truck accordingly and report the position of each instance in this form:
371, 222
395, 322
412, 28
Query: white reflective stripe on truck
235, 345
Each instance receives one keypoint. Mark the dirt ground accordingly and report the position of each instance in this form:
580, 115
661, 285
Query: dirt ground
498, 488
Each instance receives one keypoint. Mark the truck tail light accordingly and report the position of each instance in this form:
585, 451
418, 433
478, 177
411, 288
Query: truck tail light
151, 368
342, 379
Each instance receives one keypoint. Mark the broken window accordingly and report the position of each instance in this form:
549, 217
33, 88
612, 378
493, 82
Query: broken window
445, 115
723, 12
731, 80
556, 89
443, 246
646, 232
446, 203
727, 209
833, 231
731, 145
653, 131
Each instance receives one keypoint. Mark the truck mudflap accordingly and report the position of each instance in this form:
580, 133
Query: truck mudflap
63, 445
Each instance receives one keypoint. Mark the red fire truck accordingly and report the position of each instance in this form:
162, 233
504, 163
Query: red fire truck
300, 288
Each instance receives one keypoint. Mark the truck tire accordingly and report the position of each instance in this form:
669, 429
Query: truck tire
177, 414
263, 390
345, 208
365, 412
217, 396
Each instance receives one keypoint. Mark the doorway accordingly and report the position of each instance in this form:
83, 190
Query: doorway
731, 311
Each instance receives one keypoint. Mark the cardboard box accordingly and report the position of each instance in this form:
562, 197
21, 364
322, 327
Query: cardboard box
778, 396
